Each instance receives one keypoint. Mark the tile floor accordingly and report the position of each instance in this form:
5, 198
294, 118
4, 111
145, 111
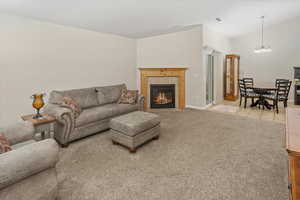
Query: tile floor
256, 112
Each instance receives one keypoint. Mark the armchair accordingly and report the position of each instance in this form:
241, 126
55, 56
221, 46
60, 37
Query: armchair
28, 171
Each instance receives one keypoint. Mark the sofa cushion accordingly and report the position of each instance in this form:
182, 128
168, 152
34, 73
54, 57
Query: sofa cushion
27, 161
86, 97
94, 114
109, 94
41, 186
120, 109
18, 132
134, 123
22, 144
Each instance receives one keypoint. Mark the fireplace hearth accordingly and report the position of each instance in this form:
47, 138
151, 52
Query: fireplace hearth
162, 95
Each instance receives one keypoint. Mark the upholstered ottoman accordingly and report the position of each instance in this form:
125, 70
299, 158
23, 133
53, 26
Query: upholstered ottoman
134, 129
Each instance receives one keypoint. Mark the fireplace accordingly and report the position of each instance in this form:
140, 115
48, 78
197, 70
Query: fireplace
151, 76
162, 95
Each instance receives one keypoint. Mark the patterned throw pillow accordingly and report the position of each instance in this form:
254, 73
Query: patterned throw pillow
73, 105
128, 96
4, 144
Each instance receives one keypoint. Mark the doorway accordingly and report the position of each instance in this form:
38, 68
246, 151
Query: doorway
210, 79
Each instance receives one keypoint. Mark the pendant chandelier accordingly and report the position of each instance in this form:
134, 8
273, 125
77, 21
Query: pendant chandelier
262, 48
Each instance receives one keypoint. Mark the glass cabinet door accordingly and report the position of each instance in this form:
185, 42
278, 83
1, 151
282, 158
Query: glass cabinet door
228, 84
235, 76
231, 77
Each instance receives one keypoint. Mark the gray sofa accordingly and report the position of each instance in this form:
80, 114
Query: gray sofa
99, 105
28, 171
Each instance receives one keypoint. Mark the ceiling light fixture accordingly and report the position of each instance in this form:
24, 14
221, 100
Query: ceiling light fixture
219, 20
262, 48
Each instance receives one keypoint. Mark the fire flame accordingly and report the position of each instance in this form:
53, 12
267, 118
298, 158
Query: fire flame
162, 99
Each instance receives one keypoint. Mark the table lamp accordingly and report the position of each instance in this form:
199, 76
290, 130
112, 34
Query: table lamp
38, 103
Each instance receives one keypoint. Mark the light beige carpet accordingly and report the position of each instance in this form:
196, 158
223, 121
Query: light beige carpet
200, 155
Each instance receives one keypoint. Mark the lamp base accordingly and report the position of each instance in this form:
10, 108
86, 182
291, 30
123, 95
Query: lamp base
38, 115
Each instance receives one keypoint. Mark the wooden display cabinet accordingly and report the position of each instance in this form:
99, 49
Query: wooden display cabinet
231, 76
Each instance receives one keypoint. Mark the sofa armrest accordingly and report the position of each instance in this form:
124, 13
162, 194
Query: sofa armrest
28, 160
18, 132
65, 119
57, 111
141, 101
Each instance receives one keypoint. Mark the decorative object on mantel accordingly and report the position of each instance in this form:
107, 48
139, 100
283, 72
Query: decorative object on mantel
179, 72
38, 103
231, 76
262, 48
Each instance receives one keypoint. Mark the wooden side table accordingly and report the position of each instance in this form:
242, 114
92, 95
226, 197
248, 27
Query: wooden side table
41, 125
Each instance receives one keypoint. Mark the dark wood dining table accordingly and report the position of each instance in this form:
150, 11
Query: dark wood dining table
261, 101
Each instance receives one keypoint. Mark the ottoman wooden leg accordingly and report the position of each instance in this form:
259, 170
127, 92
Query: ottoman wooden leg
64, 145
132, 150
113, 142
156, 137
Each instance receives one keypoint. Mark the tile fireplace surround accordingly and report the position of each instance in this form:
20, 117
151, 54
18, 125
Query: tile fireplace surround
164, 76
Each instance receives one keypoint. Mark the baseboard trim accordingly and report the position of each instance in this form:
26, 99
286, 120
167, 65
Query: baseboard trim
198, 107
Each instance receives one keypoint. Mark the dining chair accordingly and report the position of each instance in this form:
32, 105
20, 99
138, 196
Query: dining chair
281, 80
281, 93
246, 92
249, 82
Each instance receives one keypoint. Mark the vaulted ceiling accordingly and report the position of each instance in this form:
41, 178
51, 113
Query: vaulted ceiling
142, 18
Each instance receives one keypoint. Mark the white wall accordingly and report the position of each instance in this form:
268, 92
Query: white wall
215, 40
221, 44
39, 57
180, 49
265, 68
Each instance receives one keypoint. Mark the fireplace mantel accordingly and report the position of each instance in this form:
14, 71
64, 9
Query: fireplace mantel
164, 72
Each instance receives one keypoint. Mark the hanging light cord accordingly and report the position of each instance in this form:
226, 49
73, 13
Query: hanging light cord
262, 48
262, 31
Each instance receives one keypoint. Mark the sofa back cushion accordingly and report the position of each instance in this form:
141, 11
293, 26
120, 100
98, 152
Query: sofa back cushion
109, 94
86, 97
56, 97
